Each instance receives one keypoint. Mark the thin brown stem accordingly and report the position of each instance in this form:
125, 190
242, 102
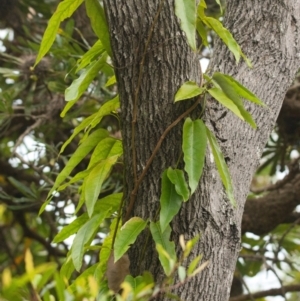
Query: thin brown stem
156, 149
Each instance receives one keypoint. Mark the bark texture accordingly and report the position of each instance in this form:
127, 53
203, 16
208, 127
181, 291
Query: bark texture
148, 77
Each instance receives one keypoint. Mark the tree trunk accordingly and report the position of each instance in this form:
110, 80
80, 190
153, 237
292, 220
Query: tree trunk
152, 59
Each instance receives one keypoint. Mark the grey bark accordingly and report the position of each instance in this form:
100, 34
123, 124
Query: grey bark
268, 32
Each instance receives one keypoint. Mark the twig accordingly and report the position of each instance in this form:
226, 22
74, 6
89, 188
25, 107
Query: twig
271, 292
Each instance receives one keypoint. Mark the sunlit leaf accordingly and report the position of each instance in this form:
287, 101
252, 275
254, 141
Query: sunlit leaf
165, 259
188, 90
194, 148
95, 180
64, 10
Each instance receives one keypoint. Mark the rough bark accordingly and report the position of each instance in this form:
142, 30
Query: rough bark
268, 32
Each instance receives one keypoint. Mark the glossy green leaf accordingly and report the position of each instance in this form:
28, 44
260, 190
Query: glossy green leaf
165, 259
83, 236
95, 51
93, 120
163, 238
221, 166
232, 94
226, 80
176, 176
190, 245
98, 21
222, 98
170, 202
187, 13
64, 10
95, 180
194, 148
188, 90
80, 85
127, 236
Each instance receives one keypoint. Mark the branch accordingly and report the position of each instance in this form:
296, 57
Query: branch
271, 292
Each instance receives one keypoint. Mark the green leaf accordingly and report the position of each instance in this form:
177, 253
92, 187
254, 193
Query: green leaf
64, 10
165, 259
163, 238
193, 265
194, 148
95, 180
176, 176
224, 34
95, 51
202, 32
190, 245
98, 21
223, 79
71, 228
108, 147
93, 120
187, 13
232, 94
84, 235
79, 85
67, 268
188, 90
222, 98
181, 273
87, 145
25, 190
221, 166
127, 236
111, 81
170, 202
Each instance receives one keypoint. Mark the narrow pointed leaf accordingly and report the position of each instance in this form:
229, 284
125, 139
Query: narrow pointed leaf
64, 10
80, 84
127, 236
84, 235
93, 120
176, 176
222, 98
194, 148
232, 94
188, 90
221, 166
163, 238
87, 145
98, 21
170, 202
186, 11
95, 180
238, 87
165, 259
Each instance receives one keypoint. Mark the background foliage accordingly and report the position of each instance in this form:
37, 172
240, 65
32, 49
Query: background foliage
32, 133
